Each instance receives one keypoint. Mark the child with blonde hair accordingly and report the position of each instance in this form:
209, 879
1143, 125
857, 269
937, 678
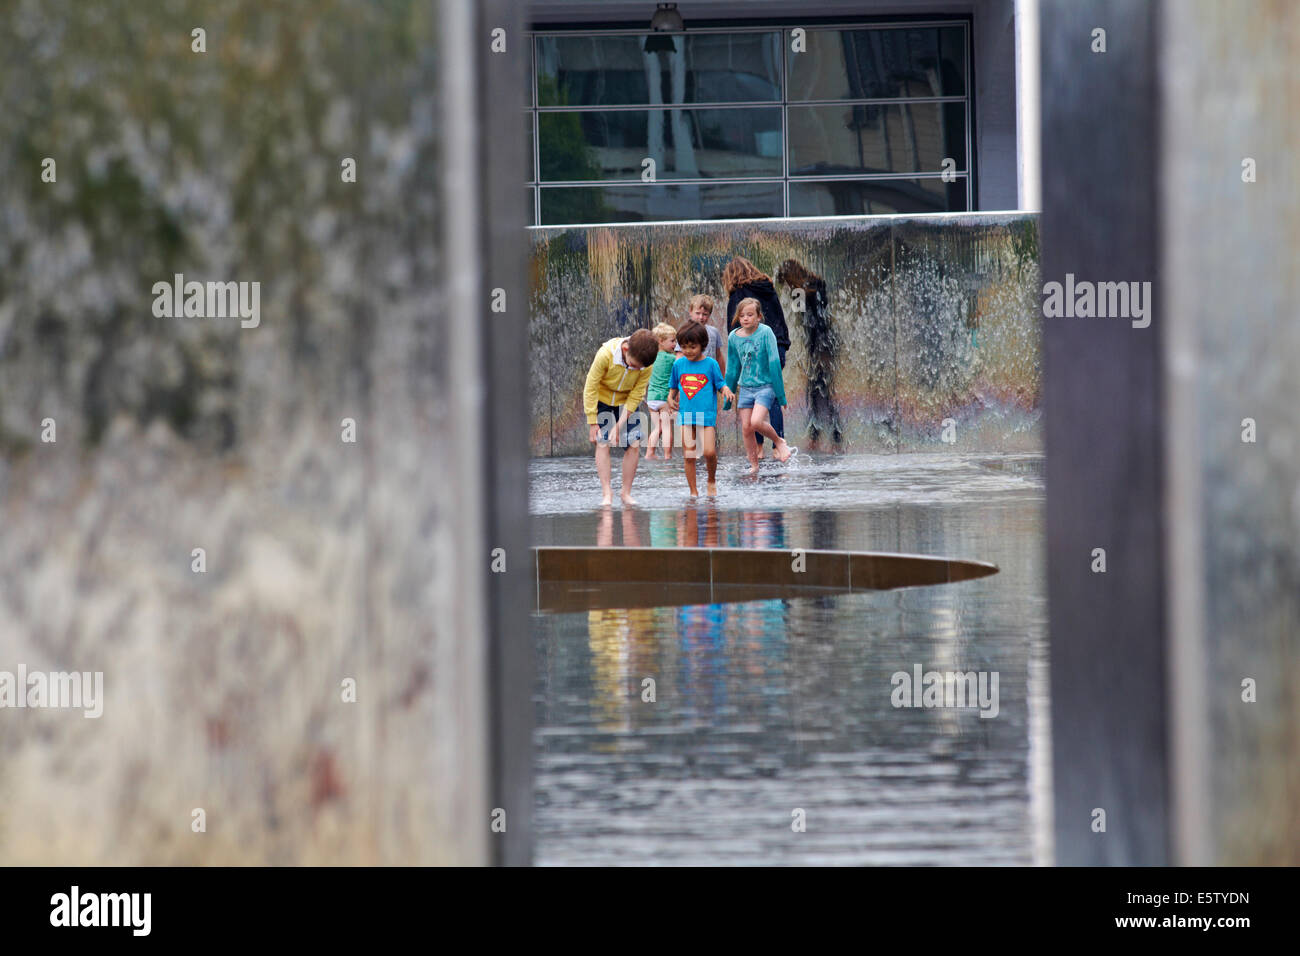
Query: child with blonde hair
754, 371
702, 312
656, 396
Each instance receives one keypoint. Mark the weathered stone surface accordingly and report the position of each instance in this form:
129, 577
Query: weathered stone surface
326, 560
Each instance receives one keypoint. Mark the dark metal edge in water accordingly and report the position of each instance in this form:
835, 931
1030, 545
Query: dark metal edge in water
573, 579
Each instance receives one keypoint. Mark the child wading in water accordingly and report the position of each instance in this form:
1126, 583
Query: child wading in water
616, 383
656, 396
693, 391
755, 366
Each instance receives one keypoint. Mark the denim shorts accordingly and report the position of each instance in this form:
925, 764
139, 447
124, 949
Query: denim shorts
749, 397
607, 415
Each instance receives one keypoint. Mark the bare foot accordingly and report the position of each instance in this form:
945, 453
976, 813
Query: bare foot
627, 499
753, 470
713, 487
693, 493
608, 500
760, 452
782, 451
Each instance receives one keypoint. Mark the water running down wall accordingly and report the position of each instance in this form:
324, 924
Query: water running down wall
929, 318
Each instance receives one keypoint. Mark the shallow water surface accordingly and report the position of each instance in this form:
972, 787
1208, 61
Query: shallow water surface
764, 709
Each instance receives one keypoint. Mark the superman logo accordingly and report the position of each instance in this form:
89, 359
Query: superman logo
692, 382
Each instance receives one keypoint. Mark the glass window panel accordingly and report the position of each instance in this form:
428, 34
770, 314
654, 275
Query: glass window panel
700, 68
531, 216
684, 144
528, 138
907, 138
870, 64
565, 205
876, 197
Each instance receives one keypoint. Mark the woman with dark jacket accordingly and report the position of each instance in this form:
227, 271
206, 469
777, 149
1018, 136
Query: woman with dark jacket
741, 279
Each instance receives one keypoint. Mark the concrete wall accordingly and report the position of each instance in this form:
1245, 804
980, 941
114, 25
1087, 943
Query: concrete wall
994, 35
1230, 87
1173, 446
325, 560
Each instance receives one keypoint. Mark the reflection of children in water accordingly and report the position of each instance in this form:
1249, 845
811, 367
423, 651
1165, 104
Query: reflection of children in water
822, 346
605, 529
762, 529
663, 529
623, 643
624, 647
698, 528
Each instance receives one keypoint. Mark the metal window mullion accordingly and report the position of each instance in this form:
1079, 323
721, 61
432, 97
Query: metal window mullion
844, 177
970, 156
709, 222
660, 107
785, 131
537, 145
709, 181
879, 101
542, 32
732, 180
763, 105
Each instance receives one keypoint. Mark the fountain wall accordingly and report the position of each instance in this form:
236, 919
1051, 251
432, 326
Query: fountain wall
930, 318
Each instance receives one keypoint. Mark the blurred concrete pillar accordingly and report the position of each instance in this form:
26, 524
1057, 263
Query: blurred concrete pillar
273, 541
1169, 157
484, 55
1230, 136
1104, 434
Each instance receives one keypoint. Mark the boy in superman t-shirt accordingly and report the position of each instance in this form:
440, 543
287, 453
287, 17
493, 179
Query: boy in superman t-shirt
693, 394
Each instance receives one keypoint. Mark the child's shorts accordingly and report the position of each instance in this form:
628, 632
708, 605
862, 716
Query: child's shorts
749, 397
697, 419
655, 404
607, 417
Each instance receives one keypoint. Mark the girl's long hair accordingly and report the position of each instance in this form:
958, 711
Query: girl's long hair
740, 271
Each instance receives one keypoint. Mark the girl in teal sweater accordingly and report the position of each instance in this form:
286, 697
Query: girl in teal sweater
754, 365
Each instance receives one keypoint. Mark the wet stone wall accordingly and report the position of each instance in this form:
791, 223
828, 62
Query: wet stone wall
928, 320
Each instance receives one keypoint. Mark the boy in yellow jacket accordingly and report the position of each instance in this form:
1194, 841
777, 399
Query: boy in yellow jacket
616, 384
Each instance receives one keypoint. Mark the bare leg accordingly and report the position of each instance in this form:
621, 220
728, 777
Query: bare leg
630, 459
747, 431
761, 426
652, 442
709, 446
602, 471
666, 428
690, 451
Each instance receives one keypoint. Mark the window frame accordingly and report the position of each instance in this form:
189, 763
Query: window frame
535, 185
